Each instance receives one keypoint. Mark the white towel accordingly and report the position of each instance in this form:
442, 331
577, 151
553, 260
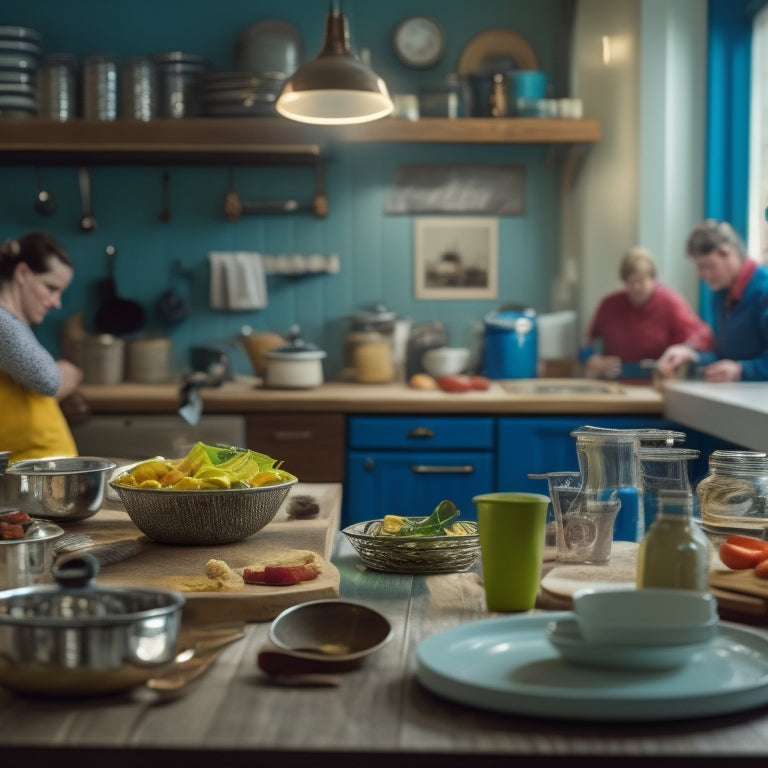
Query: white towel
237, 280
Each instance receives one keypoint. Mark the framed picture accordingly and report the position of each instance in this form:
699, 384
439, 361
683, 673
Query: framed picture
456, 257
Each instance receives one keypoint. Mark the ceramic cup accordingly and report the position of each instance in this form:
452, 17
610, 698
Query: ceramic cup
511, 528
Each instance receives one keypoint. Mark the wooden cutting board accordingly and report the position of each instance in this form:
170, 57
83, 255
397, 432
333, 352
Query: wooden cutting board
150, 564
740, 594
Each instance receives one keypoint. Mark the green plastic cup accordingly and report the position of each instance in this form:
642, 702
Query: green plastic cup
511, 528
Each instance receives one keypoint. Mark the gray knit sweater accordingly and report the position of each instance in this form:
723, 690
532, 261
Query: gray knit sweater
24, 359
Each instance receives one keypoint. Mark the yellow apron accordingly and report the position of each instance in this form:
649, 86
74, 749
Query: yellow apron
32, 425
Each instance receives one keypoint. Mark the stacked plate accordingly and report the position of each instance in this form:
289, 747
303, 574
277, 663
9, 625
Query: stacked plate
239, 94
20, 51
177, 76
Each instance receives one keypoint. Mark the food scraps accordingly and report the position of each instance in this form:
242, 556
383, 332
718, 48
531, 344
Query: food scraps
14, 524
303, 566
279, 569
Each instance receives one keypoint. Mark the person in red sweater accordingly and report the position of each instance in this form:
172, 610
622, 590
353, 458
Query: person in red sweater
639, 322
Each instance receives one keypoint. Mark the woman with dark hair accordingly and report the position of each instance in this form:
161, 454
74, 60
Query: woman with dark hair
35, 270
739, 297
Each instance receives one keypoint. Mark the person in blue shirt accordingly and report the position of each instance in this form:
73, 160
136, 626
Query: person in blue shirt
739, 308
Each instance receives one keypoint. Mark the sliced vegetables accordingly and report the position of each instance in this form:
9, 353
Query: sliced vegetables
208, 467
743, 552
439, 523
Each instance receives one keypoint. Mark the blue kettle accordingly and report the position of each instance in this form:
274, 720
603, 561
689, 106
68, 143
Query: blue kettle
511, 343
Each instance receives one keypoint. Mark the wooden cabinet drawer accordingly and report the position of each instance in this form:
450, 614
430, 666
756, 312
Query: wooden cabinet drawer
312, 445
428, 433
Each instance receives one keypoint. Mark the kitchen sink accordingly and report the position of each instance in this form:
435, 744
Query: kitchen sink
560, 387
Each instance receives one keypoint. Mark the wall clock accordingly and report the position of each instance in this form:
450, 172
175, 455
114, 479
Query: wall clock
419, 41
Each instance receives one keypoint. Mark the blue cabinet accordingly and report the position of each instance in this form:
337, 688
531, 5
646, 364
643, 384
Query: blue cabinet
406, 465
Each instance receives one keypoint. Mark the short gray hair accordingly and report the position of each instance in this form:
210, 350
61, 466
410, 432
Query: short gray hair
710, 235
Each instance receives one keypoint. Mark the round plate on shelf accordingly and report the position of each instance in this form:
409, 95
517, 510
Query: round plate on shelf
418, 41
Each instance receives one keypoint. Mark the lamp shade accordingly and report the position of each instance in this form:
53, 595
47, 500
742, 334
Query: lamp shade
335, 88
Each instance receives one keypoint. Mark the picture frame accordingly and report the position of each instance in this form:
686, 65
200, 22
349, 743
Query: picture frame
456, 257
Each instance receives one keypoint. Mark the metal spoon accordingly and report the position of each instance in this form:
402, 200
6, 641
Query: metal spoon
87, 222
192, 662
45, 203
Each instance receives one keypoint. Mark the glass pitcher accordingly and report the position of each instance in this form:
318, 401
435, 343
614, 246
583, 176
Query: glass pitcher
663, 469
607, 463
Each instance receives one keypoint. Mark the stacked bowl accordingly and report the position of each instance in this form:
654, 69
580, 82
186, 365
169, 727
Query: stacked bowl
20, 51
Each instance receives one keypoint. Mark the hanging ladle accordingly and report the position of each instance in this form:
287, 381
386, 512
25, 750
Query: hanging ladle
87, 221
45, 203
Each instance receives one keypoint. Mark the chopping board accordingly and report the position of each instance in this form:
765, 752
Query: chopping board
741, 595
149, 564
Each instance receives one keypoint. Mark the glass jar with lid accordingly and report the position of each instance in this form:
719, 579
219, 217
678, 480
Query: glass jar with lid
734, 494
663, 468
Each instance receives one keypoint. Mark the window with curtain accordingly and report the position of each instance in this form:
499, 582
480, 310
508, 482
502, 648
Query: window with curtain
757, 230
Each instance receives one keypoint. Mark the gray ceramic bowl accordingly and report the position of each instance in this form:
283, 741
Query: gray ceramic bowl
331, 630
78, 639
58, 488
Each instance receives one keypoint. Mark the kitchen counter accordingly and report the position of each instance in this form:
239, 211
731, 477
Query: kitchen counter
736, 411
243, 396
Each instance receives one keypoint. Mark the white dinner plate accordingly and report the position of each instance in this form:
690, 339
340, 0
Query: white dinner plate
509, 665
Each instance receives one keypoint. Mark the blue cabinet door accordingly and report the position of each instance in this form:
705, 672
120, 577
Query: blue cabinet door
414, 483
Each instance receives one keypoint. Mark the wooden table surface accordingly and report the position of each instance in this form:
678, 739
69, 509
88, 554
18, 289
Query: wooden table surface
379, 715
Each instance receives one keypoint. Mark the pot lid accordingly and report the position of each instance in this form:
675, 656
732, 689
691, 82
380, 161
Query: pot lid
375, 314
295, 348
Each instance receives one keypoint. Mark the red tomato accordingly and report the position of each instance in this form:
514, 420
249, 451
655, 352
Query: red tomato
740, 558
761, 569
455, 383
748, 542
281, 575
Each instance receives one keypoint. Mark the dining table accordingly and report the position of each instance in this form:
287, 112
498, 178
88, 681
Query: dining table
375, 714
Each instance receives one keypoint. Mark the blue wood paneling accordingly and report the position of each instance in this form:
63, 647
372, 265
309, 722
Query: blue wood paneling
376, 250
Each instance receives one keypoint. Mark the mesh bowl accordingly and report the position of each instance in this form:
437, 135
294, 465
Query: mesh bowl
204, 517
416, 554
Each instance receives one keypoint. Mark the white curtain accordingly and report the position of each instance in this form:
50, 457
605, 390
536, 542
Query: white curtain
757, 236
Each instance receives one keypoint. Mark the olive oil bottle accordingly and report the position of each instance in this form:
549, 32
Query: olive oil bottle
675, 552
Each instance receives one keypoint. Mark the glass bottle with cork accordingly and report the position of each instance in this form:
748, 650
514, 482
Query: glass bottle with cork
675, 552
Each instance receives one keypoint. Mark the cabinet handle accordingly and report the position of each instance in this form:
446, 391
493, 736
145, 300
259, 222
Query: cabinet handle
293, 434
421, 432
436, 469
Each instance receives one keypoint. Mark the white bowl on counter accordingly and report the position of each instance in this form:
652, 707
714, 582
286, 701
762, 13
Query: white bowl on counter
445, 361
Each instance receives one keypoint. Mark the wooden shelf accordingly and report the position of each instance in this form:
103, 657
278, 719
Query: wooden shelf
263, 140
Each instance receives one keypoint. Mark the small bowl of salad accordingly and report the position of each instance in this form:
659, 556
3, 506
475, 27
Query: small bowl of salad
437, 543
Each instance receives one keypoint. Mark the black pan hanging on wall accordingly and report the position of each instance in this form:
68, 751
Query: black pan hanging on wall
116, 315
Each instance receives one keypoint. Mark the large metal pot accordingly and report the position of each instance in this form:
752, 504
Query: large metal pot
78, 639
28, 561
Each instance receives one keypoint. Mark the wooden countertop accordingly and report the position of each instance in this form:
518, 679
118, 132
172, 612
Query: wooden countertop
244, 396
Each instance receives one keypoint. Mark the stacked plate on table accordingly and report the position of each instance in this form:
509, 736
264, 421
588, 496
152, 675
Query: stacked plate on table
177, 76
239, 94
20, 51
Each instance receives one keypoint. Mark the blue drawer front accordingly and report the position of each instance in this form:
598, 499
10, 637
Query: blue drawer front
381, 483
421, 433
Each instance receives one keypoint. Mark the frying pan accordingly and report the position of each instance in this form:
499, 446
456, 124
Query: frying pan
116, 315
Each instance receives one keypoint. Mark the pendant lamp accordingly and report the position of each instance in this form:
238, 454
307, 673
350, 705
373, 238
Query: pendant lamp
335, 88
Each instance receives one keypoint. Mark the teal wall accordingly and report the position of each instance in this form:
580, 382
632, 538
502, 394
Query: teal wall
376, 250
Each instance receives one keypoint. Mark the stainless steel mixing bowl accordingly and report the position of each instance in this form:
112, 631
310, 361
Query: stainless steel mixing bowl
57, 488
78, 639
